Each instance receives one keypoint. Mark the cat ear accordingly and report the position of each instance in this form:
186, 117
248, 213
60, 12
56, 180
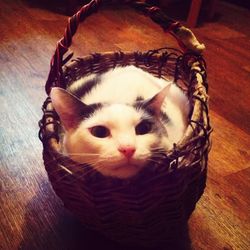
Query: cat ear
68, 107
156, 101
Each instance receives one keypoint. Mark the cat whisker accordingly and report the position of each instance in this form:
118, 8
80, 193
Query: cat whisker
158, 151
92, 169
154, 161
78, 173
157, 148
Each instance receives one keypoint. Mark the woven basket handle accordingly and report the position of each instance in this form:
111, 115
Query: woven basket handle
183, 35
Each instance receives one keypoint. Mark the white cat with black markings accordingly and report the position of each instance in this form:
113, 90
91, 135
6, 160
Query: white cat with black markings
117, 122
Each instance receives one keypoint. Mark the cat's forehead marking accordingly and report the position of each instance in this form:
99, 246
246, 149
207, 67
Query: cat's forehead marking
84, 86
139, 98
115, 115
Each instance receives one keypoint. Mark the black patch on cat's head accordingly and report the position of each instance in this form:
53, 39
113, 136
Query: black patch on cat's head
87, 87
139, 98
88, 110
143, 105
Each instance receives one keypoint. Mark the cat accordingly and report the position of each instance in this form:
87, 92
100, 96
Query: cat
117, 121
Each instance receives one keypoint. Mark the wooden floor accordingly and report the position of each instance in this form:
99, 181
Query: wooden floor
31, 216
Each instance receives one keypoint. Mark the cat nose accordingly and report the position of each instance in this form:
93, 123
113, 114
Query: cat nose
127, 151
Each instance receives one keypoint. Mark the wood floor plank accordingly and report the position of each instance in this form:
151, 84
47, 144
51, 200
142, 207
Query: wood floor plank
233, 154
228, 57
222, 217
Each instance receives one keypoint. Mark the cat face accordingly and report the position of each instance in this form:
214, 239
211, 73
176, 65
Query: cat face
115, 139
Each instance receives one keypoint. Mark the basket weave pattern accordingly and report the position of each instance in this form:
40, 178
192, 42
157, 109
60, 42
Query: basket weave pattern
153, 207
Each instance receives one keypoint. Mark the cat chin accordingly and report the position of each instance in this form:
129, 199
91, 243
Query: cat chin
122, 172
122, 169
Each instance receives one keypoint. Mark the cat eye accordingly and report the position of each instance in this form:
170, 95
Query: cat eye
100, 131
144, 127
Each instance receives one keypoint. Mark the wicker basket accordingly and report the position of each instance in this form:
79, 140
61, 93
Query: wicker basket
153, 208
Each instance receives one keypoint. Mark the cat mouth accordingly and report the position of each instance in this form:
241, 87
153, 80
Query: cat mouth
122, 169
128, 164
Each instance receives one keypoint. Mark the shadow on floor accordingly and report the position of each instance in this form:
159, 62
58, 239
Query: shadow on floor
49, 226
